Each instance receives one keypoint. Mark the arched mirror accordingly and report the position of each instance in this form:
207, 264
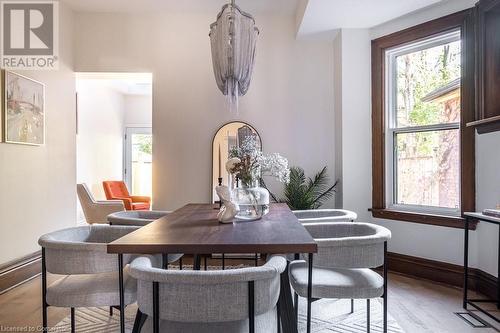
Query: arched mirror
228, 136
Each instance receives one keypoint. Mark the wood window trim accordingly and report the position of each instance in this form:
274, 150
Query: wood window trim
464, 21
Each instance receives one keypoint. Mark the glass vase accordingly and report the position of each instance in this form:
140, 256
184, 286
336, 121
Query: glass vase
253, 202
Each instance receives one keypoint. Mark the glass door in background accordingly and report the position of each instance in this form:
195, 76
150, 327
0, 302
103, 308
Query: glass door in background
138, 169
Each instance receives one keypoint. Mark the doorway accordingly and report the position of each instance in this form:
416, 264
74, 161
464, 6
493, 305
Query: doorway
114, 141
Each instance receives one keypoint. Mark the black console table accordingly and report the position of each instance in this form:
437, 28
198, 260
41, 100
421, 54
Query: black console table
469, 217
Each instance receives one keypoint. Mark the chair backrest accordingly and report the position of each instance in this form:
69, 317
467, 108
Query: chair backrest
207, 296
348, 244
115, 189
82, 250
136, 217
85, 196
325, 215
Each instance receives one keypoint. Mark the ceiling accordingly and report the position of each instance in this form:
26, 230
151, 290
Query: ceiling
327, 15
142, 6
313, 16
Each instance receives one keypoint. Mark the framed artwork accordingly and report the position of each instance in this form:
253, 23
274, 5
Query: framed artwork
23, 110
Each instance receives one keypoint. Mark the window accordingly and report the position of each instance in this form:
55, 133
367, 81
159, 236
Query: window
138, 169
423, 155
423, 124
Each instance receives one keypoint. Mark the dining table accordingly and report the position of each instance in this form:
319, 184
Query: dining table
194, 229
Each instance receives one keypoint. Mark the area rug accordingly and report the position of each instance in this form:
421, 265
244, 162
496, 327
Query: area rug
328, 316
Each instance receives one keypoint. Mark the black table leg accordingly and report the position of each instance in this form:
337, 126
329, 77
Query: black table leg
288, 320
164, 263
122, 295
466, 262
196, 262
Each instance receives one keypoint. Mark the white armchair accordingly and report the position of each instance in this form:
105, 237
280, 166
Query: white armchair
96, 211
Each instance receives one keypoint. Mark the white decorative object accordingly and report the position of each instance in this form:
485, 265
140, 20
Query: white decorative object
233, 38
228, 209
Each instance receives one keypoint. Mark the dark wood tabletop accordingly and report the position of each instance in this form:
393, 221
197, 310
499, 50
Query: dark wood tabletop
194, 229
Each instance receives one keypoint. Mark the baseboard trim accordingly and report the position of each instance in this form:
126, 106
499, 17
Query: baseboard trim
18, 271
442, 272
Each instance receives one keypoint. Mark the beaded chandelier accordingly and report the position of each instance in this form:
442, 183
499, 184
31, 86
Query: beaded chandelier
233, 38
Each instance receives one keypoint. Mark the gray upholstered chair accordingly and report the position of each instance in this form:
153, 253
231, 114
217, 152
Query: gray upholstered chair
96, 211
235, 300
136, 217
325, 215
342, 268
90, 273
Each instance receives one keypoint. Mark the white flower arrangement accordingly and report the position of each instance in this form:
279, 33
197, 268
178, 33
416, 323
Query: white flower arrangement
248, 163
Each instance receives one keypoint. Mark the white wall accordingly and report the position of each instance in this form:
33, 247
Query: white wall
356, 121
101, 115
337, 93
290, 100
138, 111
38, 192
487, 196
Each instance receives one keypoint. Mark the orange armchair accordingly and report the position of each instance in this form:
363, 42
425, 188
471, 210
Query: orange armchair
117, 190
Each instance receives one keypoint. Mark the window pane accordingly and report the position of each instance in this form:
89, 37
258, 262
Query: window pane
428, 86
427, 168
142, 149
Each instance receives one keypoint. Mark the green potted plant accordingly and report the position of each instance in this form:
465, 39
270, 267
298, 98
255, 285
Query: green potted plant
303, 193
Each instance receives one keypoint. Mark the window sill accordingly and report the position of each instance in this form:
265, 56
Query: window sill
429, 219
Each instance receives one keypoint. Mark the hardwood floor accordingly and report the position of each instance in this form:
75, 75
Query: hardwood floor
425, 306
417, 305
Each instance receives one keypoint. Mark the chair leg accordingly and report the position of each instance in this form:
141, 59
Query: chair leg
385, 287
110, 311
296, 305
122, 293
251, 307
205, 262
352, 305
223, 262
140, 319
368, 315
309, 292
278, 318
180, 264
72, 320
44, 293
156, 308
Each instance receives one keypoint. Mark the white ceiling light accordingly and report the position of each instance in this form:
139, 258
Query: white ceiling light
233, 38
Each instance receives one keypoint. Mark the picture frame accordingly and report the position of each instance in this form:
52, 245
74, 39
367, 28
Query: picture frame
23, 109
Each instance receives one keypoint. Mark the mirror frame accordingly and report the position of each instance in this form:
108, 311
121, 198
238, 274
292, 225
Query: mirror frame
214, 197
